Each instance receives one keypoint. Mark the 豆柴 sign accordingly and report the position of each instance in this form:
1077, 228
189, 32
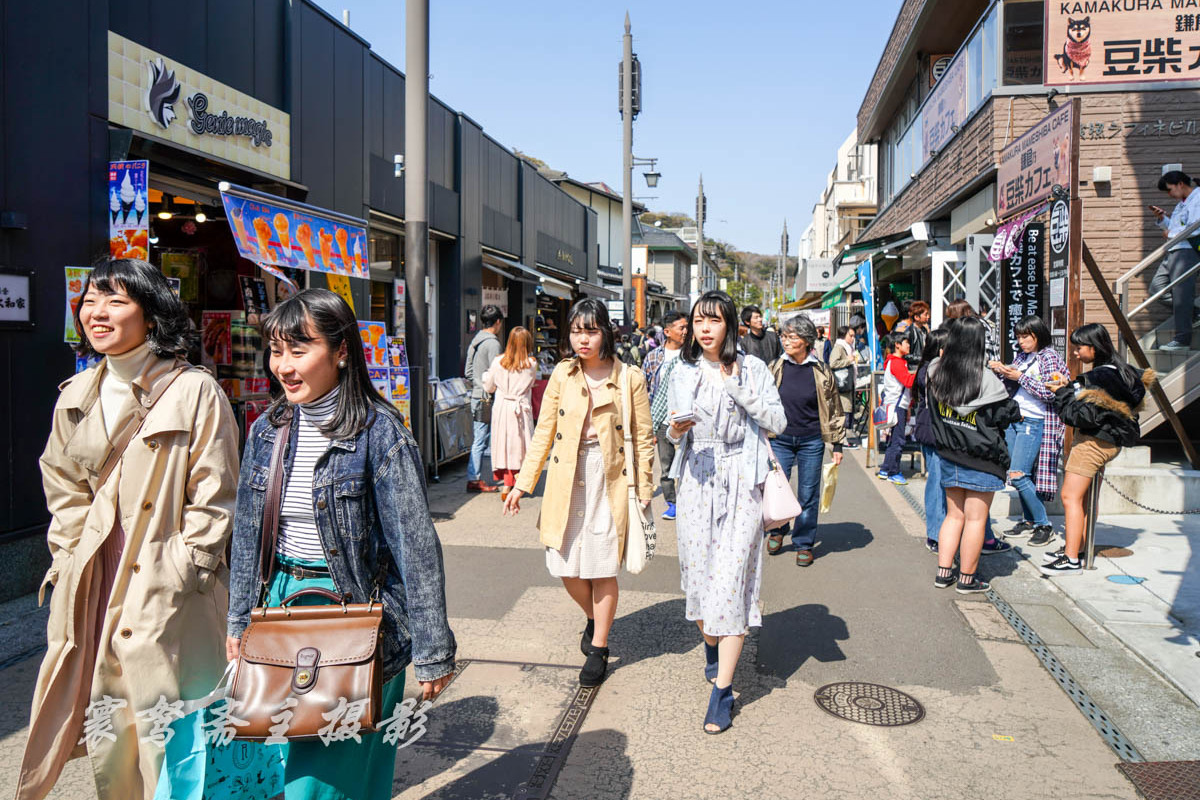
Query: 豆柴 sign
946, 108
1121, 41
1036, 162
1022, 276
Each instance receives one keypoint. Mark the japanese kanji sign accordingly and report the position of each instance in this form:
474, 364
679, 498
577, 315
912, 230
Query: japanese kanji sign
16, 299
1023, 284
1035, 163
1116, 41
945, 109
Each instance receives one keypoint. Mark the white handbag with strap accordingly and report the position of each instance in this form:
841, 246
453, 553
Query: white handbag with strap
779, 503
639, 549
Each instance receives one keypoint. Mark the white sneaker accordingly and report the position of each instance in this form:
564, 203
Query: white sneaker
1175, 347
1062, 566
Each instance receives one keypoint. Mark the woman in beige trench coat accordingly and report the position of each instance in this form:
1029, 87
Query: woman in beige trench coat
511, 376
584, 518
140, 581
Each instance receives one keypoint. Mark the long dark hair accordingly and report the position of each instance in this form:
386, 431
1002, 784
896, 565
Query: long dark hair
959, 374
591, 313
933, 349
170, 333
719, 305
1095, 336
320, 313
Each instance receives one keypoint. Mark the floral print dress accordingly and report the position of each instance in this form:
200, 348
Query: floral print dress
719, 525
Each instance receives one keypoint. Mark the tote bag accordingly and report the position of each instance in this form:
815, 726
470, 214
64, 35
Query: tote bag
642, 538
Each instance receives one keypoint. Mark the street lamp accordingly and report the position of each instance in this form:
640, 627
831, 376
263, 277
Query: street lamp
653, 175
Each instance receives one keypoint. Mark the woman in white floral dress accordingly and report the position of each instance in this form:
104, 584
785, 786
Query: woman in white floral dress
719, 400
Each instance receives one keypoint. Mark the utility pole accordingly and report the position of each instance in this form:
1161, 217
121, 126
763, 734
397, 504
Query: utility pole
627, 172
701, 211
783, 248
416, 213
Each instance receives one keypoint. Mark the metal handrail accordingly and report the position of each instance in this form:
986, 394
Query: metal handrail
1195, 268
1156, 255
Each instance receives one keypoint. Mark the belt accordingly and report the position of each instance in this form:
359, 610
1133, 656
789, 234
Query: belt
300, 573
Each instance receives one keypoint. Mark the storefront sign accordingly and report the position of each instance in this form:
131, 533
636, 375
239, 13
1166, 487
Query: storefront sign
128, 209
560, 255
74, 278
946, 108
16, 299
1035, 163
937, 67
150, 93
1022, 275
1057, 273
1142, 129
278, 234
1121, 41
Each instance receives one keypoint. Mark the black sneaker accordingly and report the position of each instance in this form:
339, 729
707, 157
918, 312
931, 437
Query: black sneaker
946, 582
1048, 556
1041, 537
1062, 566
997, 545
931, 545
973, 586
1023, 528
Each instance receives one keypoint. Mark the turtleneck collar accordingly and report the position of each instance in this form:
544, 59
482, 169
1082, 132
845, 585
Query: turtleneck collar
131, 364
322, 408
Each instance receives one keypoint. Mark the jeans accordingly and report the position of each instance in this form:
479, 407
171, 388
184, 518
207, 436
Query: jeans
483, 432
1024, 441
666, 455
849, 426
1183, 294
806, 455
891, 461
935, 495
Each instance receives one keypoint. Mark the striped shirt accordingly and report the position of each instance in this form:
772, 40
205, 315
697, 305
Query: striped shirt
298, 537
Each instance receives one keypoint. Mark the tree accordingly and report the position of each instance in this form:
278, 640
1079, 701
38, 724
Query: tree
537, 162
744, 293
674, 219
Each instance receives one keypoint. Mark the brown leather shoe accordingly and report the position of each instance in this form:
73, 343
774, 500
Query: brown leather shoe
804, 558
480, 486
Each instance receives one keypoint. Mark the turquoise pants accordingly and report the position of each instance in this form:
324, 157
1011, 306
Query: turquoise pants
346, 770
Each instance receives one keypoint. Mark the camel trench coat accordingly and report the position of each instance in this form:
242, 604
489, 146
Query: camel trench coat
564, 408
163, 628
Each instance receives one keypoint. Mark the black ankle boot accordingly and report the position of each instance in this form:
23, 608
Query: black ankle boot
595, 667
588, 632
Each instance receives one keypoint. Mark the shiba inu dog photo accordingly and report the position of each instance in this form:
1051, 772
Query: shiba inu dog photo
1077, 50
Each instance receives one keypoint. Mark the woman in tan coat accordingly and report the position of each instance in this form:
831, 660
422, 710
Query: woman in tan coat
137, 540
511, 376
584, 519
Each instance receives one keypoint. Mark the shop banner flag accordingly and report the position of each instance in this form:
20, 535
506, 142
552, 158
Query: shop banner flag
1008, 236
341, 285
128, 209
286, 237
74, 278
866, 280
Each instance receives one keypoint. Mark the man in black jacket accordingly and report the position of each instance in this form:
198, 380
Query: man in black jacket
759, 341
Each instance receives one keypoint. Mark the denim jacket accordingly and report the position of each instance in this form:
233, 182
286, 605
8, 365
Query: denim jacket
373, 519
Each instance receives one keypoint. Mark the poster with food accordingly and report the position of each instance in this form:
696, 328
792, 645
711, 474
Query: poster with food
254, 298
374, 342
401, 398
397, 354
128, 212
380, 380
216, 336
286, 236
75, 277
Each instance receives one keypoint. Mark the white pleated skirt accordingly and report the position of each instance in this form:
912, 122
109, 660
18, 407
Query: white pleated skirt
590, 546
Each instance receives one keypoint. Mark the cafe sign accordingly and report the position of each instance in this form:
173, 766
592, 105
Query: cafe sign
1121, 41
165, 99
1035, 163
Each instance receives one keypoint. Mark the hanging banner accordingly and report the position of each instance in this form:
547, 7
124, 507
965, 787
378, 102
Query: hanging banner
274, 231
866, 280
1008, 236
1023, 285
1120, 41
74, 277
1036, 162
1058, 272
128, 212
946, 108
341, 285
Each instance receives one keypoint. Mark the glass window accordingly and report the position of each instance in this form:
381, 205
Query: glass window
1023, 22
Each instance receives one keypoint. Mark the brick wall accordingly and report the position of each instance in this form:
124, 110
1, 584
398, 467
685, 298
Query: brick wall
901, 31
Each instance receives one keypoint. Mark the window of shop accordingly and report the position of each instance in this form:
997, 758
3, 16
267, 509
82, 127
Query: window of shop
1023, 24
385, 251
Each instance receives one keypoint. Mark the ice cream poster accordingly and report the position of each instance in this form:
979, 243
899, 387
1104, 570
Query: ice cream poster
283, 237
379, 379
374, 342
128, 209
75, 278
401, 398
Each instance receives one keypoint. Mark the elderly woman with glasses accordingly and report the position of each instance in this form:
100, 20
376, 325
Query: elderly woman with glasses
814, 419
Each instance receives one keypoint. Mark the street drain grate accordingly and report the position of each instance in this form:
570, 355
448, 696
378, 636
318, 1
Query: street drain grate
870, 704
1165, 780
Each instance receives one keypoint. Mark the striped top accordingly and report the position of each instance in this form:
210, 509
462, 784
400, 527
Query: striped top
298, 536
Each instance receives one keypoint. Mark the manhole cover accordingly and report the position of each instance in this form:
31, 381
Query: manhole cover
870, 704
1165, 780
1110, 551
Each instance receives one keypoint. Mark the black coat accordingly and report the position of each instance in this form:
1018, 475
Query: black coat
976, 439
1104, 402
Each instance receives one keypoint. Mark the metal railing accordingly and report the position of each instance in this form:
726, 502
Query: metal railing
1121, 285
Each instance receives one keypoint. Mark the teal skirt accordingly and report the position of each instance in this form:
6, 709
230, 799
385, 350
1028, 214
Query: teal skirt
346, 770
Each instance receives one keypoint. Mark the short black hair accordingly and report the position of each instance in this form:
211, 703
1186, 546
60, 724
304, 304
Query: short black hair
1172, 178
748, 312
894, 338
713, 304
843, 330
1034, 326
489, 315
672, 316
591, 313
170, 332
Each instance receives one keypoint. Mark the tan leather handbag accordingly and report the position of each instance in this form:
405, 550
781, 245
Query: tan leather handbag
305, 672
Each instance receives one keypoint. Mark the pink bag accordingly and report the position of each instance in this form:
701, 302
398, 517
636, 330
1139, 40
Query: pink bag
779, 503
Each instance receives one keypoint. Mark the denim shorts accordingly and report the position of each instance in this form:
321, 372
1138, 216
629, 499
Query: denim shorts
956, 476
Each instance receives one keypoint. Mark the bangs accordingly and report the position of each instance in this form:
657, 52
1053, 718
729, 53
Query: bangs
104, 280
584, 319
709, 307
289, 323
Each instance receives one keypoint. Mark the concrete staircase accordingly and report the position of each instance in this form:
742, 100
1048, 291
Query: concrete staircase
1178, 372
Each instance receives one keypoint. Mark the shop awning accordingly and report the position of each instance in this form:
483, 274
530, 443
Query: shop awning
596, 290
520, 272
870, 247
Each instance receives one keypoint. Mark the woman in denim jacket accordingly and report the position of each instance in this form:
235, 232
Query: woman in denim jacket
353, 519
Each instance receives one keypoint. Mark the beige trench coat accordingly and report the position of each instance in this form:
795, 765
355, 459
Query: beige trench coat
512, 412
564, 408
163, 629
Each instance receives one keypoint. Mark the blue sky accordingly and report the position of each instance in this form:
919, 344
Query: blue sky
755, 95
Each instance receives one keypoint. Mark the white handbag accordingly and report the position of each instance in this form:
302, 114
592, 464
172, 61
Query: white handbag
639, 549
779, 503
